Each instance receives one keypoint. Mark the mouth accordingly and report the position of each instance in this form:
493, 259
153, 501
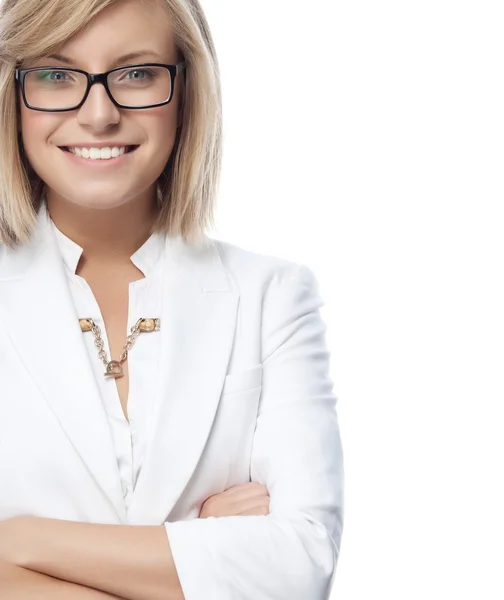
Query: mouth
128, 150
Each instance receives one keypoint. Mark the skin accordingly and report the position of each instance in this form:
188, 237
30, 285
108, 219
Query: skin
17, 583
108, 212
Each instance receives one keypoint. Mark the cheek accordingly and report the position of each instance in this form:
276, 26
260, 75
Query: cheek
163, 122
161, 126
36, 128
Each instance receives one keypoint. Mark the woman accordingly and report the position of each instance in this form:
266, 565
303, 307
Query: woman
167, 422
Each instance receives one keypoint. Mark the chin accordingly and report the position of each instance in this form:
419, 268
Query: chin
100, 200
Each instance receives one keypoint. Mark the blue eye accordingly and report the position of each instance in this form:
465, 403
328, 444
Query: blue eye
47, 76
147, 74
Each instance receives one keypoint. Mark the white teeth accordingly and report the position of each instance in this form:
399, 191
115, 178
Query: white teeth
99, 153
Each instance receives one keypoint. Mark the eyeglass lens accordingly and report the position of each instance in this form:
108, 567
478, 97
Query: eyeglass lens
58, 89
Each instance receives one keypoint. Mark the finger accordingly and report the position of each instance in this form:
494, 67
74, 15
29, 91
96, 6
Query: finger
259, 511
247, 491
249, 504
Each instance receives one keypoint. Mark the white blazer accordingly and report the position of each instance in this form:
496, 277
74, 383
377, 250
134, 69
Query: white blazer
244, 395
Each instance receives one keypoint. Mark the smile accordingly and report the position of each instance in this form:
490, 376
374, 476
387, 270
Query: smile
106, 153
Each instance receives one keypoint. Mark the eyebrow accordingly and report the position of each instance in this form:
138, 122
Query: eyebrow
121, 59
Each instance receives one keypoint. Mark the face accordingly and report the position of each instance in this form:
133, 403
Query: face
125, 27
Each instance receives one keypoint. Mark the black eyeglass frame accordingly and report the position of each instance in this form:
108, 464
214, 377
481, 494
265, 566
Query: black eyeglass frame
174, 70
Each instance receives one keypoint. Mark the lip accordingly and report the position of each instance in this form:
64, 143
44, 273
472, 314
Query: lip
98, 164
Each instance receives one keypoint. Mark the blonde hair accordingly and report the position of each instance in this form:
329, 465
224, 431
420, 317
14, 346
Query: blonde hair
188, 185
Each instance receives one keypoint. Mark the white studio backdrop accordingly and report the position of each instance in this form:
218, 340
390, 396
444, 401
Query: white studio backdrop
365, 139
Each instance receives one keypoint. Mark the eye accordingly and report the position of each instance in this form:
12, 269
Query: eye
141, 74
53, 76
135, 76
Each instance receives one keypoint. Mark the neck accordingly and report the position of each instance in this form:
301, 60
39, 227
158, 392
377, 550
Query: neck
108, 237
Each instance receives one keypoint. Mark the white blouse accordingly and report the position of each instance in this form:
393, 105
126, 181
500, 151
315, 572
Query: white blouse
131, 440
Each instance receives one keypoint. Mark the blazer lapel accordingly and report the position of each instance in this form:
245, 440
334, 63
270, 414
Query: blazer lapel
198, 326
38, 312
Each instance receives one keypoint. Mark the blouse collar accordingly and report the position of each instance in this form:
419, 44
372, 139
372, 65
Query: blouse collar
145, 258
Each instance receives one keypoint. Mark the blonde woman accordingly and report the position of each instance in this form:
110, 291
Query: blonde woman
167, 423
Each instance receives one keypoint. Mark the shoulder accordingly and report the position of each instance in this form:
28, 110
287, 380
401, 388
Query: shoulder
248, 269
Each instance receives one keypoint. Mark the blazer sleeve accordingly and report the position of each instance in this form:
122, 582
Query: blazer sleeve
290, 554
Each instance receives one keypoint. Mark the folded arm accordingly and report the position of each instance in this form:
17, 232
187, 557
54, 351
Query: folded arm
129, 561
290, 554
17, 583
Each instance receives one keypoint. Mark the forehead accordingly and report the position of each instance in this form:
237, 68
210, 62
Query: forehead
124, 27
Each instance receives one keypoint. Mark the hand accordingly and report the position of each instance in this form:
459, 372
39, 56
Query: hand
239, 500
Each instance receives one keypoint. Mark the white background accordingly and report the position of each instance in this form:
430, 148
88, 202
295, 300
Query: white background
365, 139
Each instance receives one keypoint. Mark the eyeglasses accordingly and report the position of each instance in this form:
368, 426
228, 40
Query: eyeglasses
58, 89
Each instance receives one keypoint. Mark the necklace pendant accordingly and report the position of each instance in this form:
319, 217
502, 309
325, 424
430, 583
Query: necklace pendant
114, 369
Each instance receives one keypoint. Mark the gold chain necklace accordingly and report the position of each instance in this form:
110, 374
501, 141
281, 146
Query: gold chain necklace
114, 367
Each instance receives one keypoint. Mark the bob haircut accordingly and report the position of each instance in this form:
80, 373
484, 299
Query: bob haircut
187, 187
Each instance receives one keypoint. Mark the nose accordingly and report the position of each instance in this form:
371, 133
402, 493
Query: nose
98, 111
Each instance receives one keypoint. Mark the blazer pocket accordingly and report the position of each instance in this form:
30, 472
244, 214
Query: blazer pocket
241, 381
